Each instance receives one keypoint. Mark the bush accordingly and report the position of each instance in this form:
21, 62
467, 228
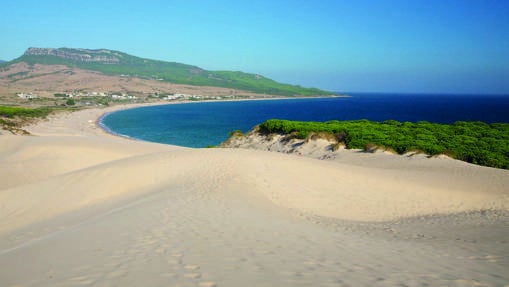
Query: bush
474, 142
11, 112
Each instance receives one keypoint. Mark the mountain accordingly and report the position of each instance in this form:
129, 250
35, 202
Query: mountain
112, 62
1, 61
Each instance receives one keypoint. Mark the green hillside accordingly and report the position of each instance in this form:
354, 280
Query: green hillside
117, 63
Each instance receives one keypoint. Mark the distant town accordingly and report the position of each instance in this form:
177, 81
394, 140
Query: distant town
90, 98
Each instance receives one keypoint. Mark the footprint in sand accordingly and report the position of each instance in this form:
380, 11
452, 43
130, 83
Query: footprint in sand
117, 274
82, 280
175, 262
491, 258
169, 275
175, 259
193, 275
192, 267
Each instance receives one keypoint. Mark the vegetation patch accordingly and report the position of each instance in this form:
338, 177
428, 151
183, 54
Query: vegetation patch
17, 75
473, 142
14, 118
236, 133
11, 112
321, 135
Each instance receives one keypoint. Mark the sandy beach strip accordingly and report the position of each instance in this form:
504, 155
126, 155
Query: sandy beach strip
79, 206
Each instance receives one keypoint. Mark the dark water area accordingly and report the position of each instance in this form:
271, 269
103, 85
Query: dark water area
208, 123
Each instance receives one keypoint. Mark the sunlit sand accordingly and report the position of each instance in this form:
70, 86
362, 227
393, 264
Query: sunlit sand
80, 207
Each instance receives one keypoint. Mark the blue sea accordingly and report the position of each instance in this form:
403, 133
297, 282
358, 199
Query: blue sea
200, 124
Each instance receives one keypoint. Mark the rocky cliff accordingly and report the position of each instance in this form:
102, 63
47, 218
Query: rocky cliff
78, 55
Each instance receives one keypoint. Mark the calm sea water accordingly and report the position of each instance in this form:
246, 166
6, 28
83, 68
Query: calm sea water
208, 123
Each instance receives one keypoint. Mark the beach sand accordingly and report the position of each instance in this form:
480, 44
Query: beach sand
80, 207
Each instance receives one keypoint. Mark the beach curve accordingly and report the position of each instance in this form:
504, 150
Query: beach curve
71, 170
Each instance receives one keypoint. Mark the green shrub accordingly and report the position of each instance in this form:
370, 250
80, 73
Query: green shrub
474, 142
302, 134
11, 112
235, 133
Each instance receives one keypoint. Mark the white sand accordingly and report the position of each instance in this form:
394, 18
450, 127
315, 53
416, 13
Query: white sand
79, 207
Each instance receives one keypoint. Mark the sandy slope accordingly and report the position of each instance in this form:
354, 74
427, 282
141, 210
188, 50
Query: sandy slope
80, 207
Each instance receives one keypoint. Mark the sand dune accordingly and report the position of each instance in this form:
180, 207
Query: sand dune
81, 207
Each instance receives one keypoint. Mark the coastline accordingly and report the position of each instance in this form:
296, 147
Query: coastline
142, 105
88, 207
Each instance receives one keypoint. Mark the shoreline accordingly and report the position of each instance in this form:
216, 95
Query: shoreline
321, 148
81, 206
143, 105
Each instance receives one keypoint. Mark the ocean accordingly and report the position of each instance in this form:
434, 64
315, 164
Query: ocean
201, 124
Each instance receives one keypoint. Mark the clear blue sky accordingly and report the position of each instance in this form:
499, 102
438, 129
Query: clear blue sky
449, 46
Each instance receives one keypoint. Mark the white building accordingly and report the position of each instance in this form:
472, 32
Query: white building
28, 96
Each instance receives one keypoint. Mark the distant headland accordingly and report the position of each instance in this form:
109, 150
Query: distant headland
132, 68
